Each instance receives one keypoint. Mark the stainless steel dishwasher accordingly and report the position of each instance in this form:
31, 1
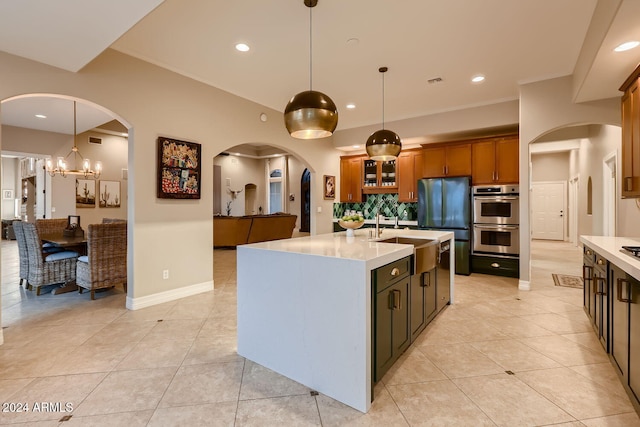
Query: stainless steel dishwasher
443, 281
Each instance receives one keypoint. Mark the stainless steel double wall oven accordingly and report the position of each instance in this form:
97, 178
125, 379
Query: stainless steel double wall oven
496, 212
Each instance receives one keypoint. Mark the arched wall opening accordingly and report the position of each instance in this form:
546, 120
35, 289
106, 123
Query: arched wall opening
100, 135
583, 154
545, 107
245, 172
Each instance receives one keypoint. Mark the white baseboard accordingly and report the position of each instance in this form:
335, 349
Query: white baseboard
166, 296
524, 285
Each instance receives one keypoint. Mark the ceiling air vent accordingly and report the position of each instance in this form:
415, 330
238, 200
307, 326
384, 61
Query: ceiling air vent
95, 140
434, 80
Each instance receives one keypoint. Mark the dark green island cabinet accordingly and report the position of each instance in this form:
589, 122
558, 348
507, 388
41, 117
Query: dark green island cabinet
391, 332
403, 305
612, 302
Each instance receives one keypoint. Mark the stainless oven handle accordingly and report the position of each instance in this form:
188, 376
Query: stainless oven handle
496, 227
494, 197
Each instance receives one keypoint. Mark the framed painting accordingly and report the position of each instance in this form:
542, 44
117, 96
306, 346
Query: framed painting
109, 194
85, 193
329, 187
179, 165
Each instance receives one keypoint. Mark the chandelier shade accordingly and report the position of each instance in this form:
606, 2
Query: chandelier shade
310, 114
383, 144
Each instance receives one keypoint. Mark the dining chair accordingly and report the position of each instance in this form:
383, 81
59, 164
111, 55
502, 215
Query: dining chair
105, 264
23, 255
110, 220
47, 268
51, 226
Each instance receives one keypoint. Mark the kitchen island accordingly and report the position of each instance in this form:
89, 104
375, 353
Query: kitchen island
305, 307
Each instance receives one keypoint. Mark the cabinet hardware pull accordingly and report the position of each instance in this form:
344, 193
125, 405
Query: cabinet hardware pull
586, 276
619, 286
395, 271
628, 183
589, 252
444, 170
425, 282
495, 265
395, 302
595, 286
600, 261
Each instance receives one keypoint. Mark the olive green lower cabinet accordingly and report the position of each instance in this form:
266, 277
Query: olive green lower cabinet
625, 328
391, 314
612, 302
403, 306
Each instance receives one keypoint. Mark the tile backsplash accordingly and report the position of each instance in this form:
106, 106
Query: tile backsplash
389, 207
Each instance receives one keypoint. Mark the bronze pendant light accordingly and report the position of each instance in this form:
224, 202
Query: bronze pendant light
310, 114
383, 144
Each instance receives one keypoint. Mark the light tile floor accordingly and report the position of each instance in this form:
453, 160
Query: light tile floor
176, 363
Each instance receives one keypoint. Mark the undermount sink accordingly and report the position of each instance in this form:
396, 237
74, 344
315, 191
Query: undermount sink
409, 241
425, 252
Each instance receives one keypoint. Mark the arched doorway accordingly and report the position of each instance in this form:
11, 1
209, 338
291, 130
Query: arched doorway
37, 127
305, 201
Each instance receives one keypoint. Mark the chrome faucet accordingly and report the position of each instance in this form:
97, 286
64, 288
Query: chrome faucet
378, 229
397, 216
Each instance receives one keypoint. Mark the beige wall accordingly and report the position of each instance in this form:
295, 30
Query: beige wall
112, 153
10, 181
153, 102
550, 167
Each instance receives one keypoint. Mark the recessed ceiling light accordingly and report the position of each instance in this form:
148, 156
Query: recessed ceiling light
124, 134
242, 47
478, 78
355, 146
351, 106
627, 46
41, 116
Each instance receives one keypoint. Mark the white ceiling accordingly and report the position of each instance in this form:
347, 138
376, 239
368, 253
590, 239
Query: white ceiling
511, 42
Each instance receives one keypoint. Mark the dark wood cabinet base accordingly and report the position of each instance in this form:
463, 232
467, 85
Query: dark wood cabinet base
496, 266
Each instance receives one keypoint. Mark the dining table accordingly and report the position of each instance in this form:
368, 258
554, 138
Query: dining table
71, 243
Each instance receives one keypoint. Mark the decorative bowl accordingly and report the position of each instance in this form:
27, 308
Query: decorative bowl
350, 226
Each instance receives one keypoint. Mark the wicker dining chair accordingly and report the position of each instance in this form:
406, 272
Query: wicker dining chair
105, 264
110, 220
23, 254
51, 225
45, 268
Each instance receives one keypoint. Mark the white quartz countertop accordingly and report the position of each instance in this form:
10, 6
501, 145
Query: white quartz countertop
358, 247
611, 249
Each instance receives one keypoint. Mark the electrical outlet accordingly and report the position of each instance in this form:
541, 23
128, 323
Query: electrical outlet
165, 274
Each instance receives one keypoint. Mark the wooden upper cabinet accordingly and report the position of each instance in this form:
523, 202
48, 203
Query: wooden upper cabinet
508, 160
495, 161
351, 179
631, 136
410, 165
447, 160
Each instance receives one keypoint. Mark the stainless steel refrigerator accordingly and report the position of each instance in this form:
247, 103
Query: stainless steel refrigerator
445, 204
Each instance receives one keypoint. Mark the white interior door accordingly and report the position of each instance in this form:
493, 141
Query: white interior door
549, 208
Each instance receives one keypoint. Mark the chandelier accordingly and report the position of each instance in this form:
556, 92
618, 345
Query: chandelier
62, 165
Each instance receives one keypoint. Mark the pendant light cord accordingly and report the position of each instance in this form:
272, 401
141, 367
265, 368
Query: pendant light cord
383, 100
310, 49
